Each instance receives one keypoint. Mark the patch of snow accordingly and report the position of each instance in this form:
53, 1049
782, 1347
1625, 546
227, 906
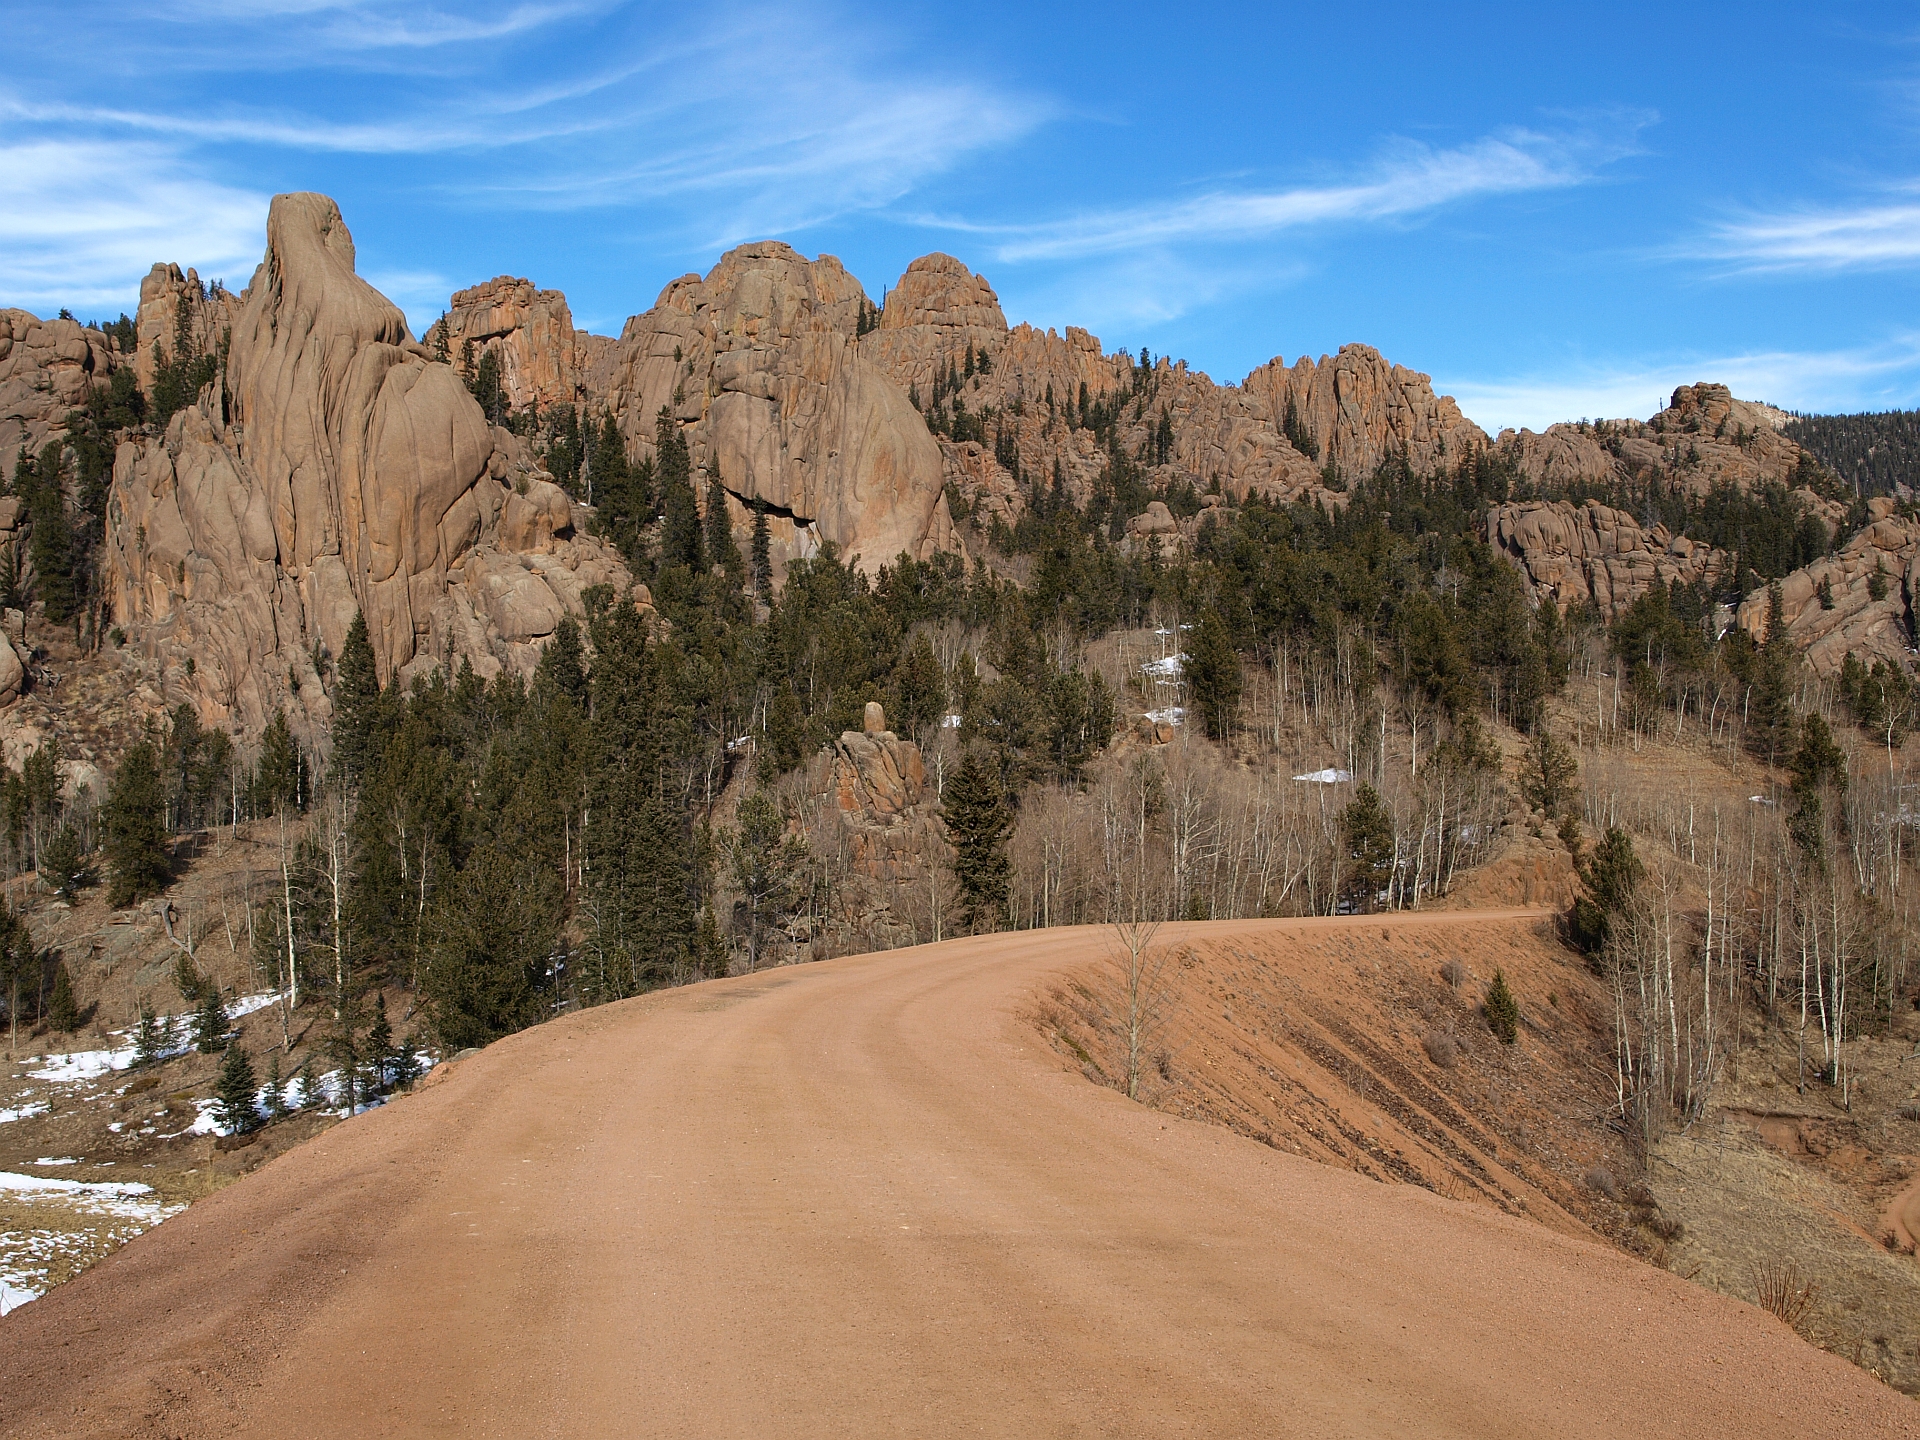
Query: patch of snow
30, 1254
1328, 776
949, 722
247, 1004
1166, 668
62, 1160
22, 1112
739, 742
1172, 715
104, 1189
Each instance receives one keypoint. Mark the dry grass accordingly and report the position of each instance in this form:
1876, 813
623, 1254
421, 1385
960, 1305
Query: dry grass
1781, 1290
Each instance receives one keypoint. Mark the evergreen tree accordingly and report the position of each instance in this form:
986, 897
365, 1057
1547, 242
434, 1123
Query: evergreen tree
680, 539
1213, 674
641, 905
762, 555
62, 865
978, 826
210, 1022
1611, 876
1547, 773
51, 545
487, 972
356, 705
236, 1092
920, 691
273, 1091
1503, 1011
62, 1013
1366, 840
133, 822
150, 1039
721, 549
766, 868
380, 1043
278, 778
564, 662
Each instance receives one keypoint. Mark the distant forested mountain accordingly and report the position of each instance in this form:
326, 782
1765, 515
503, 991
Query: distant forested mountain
1870, 452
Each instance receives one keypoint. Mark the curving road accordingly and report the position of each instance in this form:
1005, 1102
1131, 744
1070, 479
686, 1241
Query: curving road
862, 1198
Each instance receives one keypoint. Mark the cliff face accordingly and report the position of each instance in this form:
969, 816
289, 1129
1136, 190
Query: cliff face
340, 467
344, 471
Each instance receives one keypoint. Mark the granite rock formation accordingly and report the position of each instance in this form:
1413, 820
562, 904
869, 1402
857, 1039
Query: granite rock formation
46, 369
1885, 556
346, 471
1593, 554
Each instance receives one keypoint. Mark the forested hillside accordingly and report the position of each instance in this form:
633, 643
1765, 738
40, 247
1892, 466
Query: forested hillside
1876, 454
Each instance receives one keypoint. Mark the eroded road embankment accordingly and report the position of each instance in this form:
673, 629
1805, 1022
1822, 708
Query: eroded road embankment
863, 1198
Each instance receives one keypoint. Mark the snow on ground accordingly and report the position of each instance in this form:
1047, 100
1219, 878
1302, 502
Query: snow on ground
81, 1065
1168, 667
1172, 715
56, 1160
1326, 777
32, 1255
22, 1112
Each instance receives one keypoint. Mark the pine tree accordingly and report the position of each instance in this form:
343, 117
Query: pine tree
62, 866
236, 1092
762, 555
277, 782
1366, 831
1611, 876
920, 690
1548, 772
1503, 1011
563, 663
273, 1093
680, 539
487, 971
133, 820
51, 546
149, 1039
62, 1013
766, 868
1213, 674
380, 1044
721, 548
356, 706
978, 825
210, 1022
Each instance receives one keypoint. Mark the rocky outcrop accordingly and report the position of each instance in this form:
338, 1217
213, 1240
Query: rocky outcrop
543, 359
1360, 409
1705, 437
1593, 554
1849, 619
349, 472
167, 295
879, 789
759, 362
46, 369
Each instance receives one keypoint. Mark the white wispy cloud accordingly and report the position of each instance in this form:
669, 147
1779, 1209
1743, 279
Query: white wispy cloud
1873, 377
1409, 179
82, 221
1874, 236
352, 25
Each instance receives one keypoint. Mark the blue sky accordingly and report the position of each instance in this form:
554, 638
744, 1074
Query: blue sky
1558, 211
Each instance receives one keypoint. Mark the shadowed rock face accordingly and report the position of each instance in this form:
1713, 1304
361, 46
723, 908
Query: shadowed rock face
344, 471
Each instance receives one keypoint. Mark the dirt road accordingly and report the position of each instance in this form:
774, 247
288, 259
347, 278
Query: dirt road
862, 1198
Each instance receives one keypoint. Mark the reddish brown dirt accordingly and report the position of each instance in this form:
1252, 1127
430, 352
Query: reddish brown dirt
864, 1197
